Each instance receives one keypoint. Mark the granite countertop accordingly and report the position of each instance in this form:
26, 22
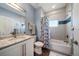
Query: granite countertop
6, 42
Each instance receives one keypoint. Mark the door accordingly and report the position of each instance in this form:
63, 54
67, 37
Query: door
75, 20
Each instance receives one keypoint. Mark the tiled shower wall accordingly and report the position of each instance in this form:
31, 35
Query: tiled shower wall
61, 31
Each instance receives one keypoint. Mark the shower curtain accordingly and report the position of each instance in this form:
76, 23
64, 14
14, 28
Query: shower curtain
45, 32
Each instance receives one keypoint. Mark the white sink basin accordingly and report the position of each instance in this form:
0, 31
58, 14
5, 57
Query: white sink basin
11, 40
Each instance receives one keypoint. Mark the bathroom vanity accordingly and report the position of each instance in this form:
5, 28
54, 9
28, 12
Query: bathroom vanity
22, 45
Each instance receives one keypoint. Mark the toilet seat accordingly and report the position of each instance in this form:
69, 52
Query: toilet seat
38, 47
39, 44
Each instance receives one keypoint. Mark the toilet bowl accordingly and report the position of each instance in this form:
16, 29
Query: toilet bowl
38, 47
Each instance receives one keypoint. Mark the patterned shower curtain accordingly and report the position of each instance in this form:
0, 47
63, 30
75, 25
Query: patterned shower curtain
45, 31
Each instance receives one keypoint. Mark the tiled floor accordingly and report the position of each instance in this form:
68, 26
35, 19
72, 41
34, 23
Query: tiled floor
52, 53
47, 52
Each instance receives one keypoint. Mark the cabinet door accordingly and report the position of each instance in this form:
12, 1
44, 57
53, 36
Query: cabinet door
23, 49
11, 51
27, 47
30, 47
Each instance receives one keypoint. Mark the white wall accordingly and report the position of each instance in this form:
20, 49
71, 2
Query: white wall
60, 31
59, 14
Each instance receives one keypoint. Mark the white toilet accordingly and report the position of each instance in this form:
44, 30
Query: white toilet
38, 47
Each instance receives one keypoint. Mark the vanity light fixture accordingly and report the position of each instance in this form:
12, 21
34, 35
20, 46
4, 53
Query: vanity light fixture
15, 6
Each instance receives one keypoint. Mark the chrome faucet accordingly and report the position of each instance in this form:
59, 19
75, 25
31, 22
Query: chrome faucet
14, 33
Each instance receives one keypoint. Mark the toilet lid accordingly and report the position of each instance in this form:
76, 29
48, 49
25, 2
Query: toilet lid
39, 44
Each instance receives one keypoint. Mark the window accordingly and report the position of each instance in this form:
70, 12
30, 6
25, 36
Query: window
53, 23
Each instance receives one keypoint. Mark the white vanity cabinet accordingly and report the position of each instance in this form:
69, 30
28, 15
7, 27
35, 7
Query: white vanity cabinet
25, 48
11, 51
30, 47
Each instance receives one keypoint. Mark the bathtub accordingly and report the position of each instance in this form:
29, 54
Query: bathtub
60, 46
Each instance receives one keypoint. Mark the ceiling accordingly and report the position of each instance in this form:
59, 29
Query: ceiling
47, 7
